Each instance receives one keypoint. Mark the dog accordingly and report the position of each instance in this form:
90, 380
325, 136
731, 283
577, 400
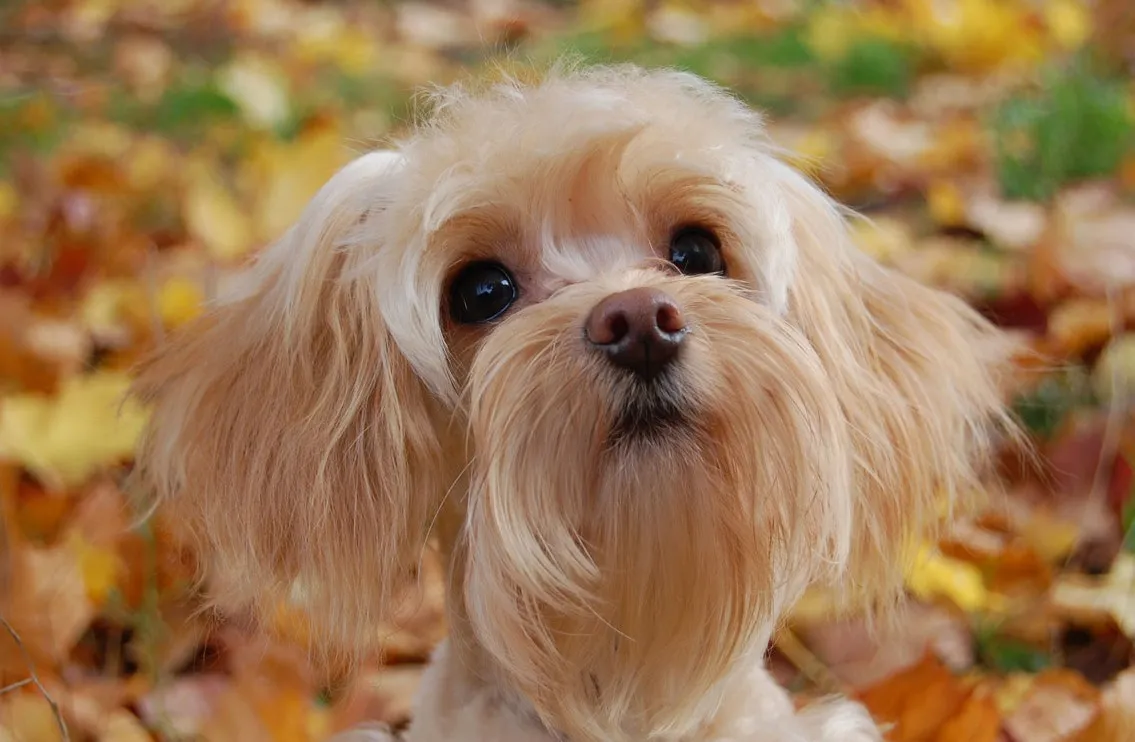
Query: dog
593, 337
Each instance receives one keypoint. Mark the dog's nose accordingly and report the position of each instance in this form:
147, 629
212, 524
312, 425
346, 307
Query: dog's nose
640, 329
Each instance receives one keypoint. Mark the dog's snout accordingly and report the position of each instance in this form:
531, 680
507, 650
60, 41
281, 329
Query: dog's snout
640, 330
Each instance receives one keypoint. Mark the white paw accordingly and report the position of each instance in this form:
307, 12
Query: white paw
840, 720
371, 732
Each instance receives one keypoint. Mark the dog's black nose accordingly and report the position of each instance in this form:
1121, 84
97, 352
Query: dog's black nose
640, 329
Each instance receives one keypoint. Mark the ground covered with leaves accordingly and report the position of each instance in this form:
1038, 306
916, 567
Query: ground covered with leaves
148, 146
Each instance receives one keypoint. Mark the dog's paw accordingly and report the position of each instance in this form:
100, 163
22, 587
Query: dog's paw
371, 732
839, 720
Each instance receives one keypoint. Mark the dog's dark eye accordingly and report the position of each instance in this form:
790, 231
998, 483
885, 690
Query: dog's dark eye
481, 292
695, 251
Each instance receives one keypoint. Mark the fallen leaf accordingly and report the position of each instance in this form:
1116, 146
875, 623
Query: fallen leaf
259, 88
179, 301
978, 720
183, 706
65, 439
213, 216
27, 717
1094, 229
283, 176
936, 576
1058, 705
859, 656
122, 726
918, 701
54, 608
1091, 599
1115, 721
1113, 378
1080, 324
384, 695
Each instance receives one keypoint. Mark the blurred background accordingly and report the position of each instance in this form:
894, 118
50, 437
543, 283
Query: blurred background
149, 146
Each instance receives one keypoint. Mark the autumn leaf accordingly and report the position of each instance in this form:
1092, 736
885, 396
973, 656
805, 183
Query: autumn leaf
65, 439
213, 216
936, 576
147, 150
258, 87
918, 701
1111, 596
978, 720
1058, 705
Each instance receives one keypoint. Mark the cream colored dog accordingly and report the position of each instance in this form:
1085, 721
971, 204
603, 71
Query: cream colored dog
622, 364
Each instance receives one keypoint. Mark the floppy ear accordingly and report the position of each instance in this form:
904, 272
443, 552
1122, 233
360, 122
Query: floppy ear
290, 436
919, 374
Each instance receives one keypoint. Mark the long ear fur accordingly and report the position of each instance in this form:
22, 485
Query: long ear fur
919, 376
290, 436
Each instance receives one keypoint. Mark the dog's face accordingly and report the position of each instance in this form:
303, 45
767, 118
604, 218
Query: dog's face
633, 352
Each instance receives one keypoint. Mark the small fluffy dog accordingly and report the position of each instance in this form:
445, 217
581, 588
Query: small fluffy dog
622, 364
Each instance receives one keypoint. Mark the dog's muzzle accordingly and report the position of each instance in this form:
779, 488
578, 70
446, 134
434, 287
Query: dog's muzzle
639, 330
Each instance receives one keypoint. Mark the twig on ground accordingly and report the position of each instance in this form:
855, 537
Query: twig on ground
807, 663
13, 686
34, 679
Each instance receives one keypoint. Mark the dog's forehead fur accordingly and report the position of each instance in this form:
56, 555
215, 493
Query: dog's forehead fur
514, 143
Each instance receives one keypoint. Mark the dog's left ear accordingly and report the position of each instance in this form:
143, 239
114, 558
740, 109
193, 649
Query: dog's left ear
290, 436
919, 374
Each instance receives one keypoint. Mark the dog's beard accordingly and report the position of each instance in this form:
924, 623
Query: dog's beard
625, 552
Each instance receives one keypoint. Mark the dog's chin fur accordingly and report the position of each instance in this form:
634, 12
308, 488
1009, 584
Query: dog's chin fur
619, 550
617, 584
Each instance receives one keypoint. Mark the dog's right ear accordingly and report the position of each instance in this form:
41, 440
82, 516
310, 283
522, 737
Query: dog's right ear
290, 436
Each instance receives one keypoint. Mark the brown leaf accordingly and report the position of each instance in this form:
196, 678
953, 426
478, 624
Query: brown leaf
918, 701
384, 695
1059, 705
860, 658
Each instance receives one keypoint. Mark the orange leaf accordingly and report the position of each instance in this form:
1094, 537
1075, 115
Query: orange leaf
978, 720
918, 701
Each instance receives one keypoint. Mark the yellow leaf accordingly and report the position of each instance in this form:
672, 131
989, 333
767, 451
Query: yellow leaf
65, 439
122, 726
150, 164
936, 576
622, 19
27, 717
1069, 22
830, 32
179, 301
978, 35
883, 238
1050, 537
259, 88
9, 200
946, 203
1078, 325
109, 306
325, 37
213, 216
100, 567
286, 175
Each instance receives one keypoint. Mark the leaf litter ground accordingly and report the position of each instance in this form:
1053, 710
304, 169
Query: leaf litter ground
147, 148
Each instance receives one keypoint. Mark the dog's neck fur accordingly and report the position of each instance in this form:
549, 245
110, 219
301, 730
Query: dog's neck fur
470, 667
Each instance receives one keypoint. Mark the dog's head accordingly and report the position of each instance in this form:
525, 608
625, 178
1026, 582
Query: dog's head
634, 353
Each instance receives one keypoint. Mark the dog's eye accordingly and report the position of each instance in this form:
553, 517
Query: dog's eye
695, 251
481, 292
